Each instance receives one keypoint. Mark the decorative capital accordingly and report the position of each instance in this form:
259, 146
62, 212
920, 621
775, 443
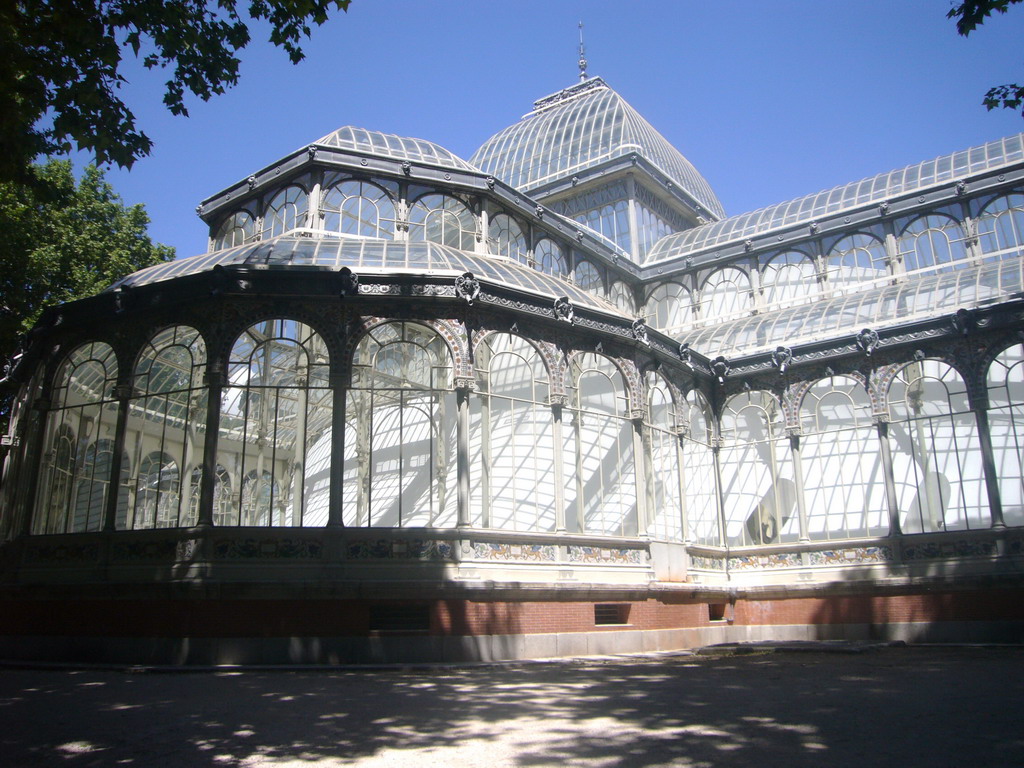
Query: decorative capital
407, 168
961, 187
720, 367
490, 182
467, 287
964, 321
748, 245
348, 282
782, 357
640, 331
579, 235
539, 210
686, 354
867, 341
251, 181
883, 207
575, 180
813, 226
564, 310
311, 151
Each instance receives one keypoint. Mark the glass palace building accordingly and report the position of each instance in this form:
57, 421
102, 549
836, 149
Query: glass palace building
549, 400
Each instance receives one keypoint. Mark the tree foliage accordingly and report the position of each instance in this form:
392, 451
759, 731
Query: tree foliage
59, 72
64, 240
969, 16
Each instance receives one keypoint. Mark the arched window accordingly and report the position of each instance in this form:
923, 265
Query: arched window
507, 238
513, 438
276, 413
700, 497
932, 241
621, 295
157, 493
443, 219
840, 457
286, 211
359, 208
602, 498
669, 307
853, 260
550, 258
936, 450
588, 277
75, 475
166, 425
222, 497
1006, 425
237, 229
758, 489
789, 278
726, 293
667, 515
400, 435
92, 487
1001, 227
611, 220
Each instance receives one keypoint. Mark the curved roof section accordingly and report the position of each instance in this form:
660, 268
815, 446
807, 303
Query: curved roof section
354, 139
369, 256
875, 189
578, 128
916, 298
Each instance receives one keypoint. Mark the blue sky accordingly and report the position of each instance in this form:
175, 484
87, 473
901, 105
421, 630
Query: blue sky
769, 99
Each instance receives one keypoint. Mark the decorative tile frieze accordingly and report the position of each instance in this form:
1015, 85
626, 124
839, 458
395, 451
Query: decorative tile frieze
579, 554
133, 551
937, 550
534, 553
403, 549
765, 561
267, 549
851, 556
704, 563
63, 553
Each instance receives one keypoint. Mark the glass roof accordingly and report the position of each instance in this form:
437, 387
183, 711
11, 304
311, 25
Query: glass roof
355, 139
370, 256
589, 125
916, 298
831, 201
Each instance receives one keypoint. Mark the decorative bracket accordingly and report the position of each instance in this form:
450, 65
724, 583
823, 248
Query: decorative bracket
349, 282
640, 331
467, 287
867, 341
781, 358
564, 310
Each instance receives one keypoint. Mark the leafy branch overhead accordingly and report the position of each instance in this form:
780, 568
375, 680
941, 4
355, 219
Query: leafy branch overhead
969, 16
59, 72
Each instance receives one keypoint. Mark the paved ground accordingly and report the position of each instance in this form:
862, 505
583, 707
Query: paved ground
903, 707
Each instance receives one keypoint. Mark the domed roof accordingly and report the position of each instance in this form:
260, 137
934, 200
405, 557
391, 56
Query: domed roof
354, 139
368, 256
578, 128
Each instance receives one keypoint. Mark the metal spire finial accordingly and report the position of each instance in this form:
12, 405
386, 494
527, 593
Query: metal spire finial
583, 60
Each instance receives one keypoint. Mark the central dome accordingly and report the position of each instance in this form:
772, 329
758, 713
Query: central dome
578, 128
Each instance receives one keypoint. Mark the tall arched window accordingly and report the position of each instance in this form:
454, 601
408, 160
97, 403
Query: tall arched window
166, 425
1001, 227
401, 422
853, 260
75, 475
936, 450
789, 278
726, 293
611, 220
602, 462
513, 438
933, 241
157, 487
621, 295
669, 307
276, 414
550, 258
667, 515
358, 208
758, 489
1006, 425
588, 277
286, 211
843, 477
443, 219
222, 497
506, 237
699, 482
237, 229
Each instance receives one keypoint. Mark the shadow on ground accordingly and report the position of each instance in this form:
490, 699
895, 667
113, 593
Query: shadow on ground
909, 706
